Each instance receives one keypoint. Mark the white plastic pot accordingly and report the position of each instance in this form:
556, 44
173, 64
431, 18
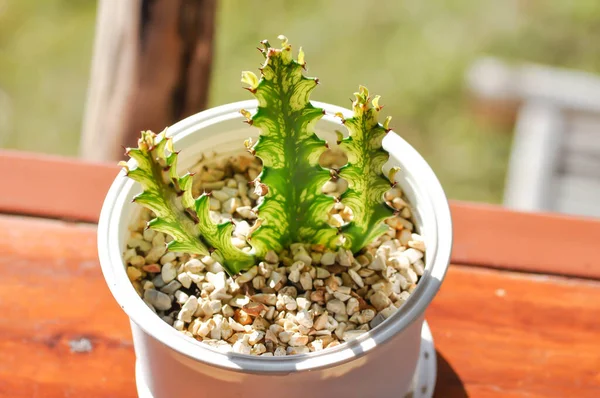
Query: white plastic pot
380, 363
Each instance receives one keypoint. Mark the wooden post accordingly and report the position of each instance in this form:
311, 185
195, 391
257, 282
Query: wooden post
151, 68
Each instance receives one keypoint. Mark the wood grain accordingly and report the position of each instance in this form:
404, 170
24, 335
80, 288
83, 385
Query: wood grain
509, 334
484, 235
491, 236
151, 68
52, 294
498, 333
52, 186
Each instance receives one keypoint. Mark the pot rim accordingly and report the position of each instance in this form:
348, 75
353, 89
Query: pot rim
114, 272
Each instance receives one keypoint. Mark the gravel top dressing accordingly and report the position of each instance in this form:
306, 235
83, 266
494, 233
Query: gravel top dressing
300, 300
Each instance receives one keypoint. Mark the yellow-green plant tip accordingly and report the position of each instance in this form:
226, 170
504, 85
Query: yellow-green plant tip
250, 79
301, 60
392, 174
386, 123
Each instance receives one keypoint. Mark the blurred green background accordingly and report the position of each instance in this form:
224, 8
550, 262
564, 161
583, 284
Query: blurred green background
414, 53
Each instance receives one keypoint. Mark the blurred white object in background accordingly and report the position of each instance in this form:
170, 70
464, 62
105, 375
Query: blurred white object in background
555, 158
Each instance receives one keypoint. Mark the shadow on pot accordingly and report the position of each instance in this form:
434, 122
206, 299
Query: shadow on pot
448, 383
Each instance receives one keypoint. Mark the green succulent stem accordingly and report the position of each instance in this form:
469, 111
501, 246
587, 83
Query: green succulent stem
293, 209
178, 214
363, 172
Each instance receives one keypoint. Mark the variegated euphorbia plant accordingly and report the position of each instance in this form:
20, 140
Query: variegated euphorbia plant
293, 208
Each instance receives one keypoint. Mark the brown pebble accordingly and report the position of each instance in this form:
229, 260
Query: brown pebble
318, 296
151, 268
254, 309
242, 317
335, 268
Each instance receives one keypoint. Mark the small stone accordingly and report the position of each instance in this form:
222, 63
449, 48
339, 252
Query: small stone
239, 301
247, 276
153, 268
304, 318
322, 273
179, 325
171, 287
254, 309
398, 203
158, 281
417, 242
352, 306
336, 306
297, 350
259, 282
328, 258
168, 272
194, 266
280, 352
321, 322
242, 347
185, 280
159, 300
306, 281
242, 317
221, 196
180, 296
265, 298
188, 309
231, 205
379, 300
341, 296
352, 334
214, 204
216, 279
133, 273
304, 257
137, 261
298, 340
294, 276
316, 345
419, 267
378, 263
356, 278
271, 257
410, 275
167, 258
246, 212
344, 257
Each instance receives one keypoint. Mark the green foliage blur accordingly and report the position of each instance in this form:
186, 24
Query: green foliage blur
413, 53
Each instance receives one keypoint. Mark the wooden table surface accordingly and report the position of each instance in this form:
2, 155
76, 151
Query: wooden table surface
517, 316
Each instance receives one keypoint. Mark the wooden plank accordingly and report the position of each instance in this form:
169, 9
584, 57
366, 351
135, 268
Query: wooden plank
487, 235
484, 235
49, 186
504, 334
52, 295
151, 68
498, 334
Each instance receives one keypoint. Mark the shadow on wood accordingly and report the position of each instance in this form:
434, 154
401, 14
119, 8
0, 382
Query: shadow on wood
448, 384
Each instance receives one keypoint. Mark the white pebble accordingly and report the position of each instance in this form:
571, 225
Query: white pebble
168, 272
194, 266
185, 280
